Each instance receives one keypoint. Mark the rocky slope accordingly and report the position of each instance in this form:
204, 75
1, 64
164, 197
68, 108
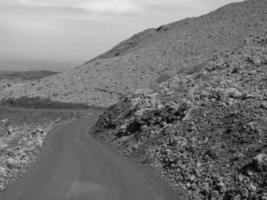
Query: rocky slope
19, 146
206, 130
139, 61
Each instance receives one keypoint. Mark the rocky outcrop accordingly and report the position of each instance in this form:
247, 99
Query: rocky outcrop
204, 131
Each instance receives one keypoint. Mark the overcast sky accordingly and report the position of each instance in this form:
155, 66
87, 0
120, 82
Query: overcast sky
61, 34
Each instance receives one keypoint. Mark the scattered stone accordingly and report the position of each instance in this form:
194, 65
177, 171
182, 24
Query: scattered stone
19, 150
254, 60
11, 163
261, 162
233, 93
252, 187
202, 133
3, 172
264, 104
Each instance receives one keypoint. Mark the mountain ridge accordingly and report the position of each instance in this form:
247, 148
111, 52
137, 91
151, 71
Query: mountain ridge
139, 61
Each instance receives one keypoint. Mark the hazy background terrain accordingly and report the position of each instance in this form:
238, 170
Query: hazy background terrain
61, 34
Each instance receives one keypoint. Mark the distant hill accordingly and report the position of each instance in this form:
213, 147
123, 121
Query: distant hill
26, 75
139, 61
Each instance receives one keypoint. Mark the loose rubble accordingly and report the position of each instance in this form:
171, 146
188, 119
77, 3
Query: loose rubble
23, 134
205, 131
19, 146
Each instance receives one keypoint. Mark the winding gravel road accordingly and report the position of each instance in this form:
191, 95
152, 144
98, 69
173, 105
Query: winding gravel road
74, 166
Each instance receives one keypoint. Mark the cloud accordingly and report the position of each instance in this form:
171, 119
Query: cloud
116, 7
111, 6
194, 7
107, 9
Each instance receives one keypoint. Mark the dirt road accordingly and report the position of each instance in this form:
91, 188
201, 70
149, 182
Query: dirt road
74, 166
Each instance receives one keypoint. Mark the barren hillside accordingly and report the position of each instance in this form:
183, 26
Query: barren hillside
139, 61
205, 131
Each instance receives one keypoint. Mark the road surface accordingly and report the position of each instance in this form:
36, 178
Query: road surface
74, 166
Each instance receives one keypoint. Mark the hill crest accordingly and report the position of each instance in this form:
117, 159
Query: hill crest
138, 62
